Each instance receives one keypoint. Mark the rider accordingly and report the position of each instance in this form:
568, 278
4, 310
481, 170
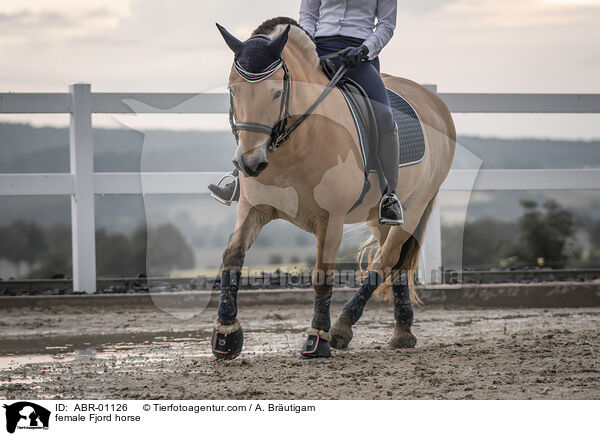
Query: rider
349, 26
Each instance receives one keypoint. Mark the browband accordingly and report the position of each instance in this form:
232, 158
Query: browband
257, 77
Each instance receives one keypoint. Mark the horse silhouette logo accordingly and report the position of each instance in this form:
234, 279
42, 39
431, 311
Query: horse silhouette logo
26, 415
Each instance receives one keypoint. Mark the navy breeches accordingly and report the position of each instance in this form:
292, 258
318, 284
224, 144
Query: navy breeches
366, 74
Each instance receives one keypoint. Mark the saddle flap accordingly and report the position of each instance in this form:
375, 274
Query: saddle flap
362, 111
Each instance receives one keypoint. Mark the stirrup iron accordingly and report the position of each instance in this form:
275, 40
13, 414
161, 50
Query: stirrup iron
387, 221
226, 202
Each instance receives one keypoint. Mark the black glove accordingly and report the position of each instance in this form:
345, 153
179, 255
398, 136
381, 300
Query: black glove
351, 56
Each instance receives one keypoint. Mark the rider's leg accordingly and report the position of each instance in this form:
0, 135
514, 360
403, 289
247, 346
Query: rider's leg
367, 75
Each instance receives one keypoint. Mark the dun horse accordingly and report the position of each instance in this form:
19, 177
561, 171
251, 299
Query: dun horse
315, 177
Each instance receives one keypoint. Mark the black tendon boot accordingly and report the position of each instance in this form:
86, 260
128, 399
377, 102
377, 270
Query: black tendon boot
390, 209
230, 192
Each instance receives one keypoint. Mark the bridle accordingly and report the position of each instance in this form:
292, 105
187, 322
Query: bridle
280, 132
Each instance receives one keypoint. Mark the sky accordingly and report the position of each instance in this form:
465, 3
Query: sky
155, 45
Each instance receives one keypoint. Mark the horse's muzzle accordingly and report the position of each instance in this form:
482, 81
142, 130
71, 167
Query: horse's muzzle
252, 164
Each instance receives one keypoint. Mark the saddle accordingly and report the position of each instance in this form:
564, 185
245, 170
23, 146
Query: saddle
410, 130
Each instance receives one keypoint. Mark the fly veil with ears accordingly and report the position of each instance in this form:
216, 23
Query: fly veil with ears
256, 59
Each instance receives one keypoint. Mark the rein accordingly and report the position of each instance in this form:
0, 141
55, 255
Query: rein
280, 132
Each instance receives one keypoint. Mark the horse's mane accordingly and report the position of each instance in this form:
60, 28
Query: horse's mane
297, 35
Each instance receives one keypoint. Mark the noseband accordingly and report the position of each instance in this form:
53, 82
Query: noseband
280, 132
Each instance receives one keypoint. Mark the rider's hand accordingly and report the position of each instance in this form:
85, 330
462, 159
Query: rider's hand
351, 56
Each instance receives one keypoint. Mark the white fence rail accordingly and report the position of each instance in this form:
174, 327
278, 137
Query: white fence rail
82, 183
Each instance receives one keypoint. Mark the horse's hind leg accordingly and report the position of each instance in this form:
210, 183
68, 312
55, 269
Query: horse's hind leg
403, 312
392, 254
227, 338
341, 333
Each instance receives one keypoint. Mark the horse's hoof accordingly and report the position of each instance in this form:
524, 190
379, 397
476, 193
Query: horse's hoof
227, 340
402, 337
316, 345
341, 333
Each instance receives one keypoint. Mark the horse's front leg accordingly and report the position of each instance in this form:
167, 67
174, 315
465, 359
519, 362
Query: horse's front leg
227, 337
329, 237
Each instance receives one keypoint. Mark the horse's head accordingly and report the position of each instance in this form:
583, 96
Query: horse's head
258, 97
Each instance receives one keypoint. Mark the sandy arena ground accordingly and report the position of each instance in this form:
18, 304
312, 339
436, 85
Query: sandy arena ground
144, 353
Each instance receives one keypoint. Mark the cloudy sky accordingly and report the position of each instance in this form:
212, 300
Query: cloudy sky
157, 45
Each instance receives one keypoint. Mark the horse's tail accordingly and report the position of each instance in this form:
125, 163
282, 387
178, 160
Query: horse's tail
408, 260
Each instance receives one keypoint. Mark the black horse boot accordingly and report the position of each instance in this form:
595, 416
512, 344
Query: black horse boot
317, 342
341, 333
228, 193
316, 345
390, 209
227, 337
403, 314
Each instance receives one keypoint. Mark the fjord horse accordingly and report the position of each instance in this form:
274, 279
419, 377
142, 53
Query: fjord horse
314, 179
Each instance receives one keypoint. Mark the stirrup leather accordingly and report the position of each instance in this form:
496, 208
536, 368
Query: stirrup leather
386, 220
226, 202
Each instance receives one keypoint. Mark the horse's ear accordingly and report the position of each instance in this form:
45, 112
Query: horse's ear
278, 43
234, 44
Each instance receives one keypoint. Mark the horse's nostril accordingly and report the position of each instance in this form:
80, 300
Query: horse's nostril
261, 167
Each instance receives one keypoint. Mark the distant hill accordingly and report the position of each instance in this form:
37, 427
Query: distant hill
24, 148
533, 153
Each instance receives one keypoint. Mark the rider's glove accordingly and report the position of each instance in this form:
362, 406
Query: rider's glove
351, 56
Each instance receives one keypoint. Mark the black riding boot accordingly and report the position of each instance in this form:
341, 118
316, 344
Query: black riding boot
228, 193
390, 209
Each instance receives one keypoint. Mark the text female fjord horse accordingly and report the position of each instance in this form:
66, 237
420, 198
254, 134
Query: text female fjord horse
315, 178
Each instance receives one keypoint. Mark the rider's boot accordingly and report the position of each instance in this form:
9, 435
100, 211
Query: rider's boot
390, 209
230, 192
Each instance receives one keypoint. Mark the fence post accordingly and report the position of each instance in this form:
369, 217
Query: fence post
430, 260
82, 201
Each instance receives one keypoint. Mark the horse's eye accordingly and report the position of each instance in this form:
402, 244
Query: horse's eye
277, 94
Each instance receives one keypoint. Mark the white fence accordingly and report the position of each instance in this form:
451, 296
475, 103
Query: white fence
82, 184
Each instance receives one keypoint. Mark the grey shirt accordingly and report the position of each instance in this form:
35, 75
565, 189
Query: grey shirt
354, 18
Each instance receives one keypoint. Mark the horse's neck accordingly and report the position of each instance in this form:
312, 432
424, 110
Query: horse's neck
307, 144
306, 88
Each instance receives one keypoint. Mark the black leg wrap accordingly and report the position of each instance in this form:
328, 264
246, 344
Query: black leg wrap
230, 283
321, 319
403, 311
354, 308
